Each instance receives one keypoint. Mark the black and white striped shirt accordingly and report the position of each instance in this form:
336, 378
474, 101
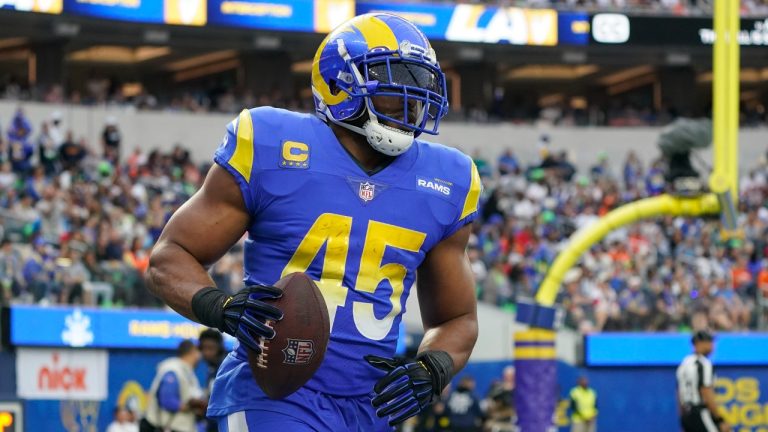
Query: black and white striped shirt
693, 373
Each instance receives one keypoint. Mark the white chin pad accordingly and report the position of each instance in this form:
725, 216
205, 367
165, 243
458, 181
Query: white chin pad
388, 140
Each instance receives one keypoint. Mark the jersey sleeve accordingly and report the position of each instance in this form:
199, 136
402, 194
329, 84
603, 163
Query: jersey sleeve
236, 154
468, 204
168, 393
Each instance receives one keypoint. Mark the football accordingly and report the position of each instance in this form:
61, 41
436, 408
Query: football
290, 359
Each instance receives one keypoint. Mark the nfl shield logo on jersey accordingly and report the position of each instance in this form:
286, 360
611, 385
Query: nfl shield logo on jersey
367, 191
298, 351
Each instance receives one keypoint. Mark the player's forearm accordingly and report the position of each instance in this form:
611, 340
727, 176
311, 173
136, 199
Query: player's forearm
457, 337
175, 276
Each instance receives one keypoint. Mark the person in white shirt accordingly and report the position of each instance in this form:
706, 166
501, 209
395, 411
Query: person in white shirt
56, 129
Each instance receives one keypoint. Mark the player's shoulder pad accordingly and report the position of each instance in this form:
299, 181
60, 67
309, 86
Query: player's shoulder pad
271, 119
255, 130
449, 166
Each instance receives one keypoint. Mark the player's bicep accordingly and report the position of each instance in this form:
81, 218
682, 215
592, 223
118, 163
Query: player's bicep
446, 286
210, 222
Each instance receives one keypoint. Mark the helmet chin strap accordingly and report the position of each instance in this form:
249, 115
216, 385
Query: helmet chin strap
384, 139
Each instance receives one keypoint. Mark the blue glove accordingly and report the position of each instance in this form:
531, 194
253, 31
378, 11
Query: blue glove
410, 385
245, 315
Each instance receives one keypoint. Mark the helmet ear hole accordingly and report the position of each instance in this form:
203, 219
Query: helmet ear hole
333, 87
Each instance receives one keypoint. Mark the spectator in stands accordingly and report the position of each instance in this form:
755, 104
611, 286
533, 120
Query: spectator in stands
20, 148
496, 287
483, 168
175, 396
635, 304
633, 170
689, 278
507, 163
110, 140
56, 130
137, 257
71, 153
7, 176
73, 274
11, 276
602, 169
39, 272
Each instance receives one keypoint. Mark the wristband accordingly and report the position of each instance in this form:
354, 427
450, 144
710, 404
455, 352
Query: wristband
208, 307
440, 366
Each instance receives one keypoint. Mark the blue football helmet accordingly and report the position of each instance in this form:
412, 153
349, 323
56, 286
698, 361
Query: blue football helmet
379, 55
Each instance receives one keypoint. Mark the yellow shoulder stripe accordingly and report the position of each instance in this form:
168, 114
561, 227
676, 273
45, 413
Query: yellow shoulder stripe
473, 196
242, 158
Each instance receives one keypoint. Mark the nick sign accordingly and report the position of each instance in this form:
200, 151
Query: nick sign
61, 374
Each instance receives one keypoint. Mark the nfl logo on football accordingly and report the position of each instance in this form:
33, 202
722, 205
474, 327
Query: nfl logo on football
367, 191
298, 351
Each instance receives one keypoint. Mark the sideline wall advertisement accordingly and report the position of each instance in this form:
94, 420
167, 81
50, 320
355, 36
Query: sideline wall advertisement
643, 399
99, 328
63, 374
632, 399
641, 349
129, 377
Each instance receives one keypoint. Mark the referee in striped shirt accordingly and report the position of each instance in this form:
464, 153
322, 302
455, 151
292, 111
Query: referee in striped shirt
695, 392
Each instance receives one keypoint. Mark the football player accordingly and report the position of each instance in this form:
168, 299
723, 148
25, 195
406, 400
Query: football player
351, 197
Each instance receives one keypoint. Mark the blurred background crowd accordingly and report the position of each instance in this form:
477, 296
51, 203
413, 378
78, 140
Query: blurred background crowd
221, 95
78, 220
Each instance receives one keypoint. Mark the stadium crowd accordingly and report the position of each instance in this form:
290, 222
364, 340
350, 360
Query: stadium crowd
665, 274
219, 95
78, 221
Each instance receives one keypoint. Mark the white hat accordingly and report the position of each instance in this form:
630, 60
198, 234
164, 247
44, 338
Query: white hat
56, 115
111, 121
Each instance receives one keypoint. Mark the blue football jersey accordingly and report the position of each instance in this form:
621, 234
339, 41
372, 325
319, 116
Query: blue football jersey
360, 237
